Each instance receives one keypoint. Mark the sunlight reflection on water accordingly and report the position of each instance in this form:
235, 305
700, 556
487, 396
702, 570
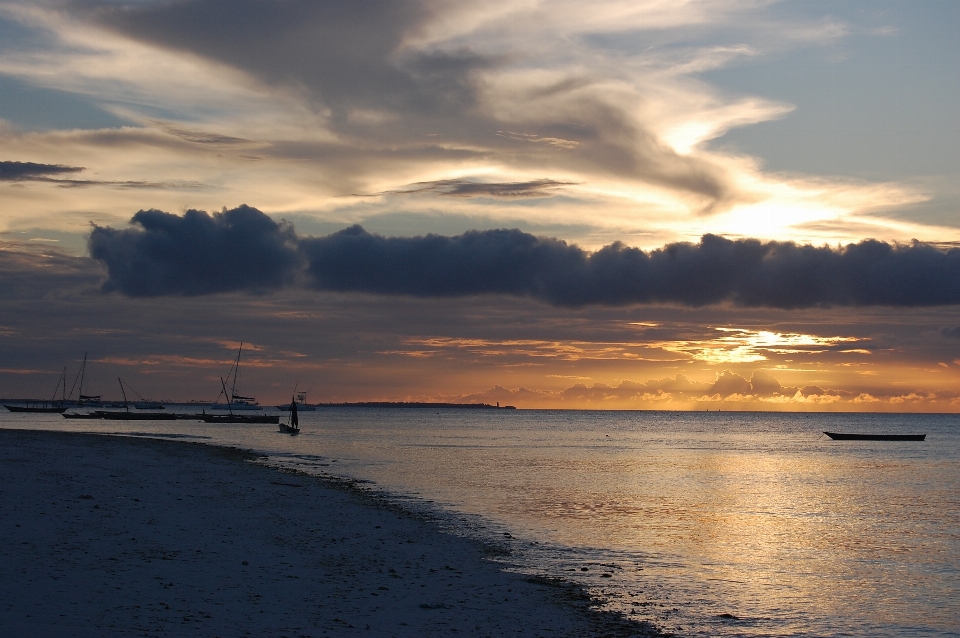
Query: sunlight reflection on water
733, 524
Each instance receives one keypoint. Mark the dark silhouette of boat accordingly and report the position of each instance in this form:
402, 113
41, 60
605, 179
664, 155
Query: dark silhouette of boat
236, 402
126, 415
50, 407
301, 401
239, 418
36, 406
292, 426
838, 436
236, 418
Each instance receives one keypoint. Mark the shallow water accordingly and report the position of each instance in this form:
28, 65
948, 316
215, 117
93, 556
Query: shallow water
714, 524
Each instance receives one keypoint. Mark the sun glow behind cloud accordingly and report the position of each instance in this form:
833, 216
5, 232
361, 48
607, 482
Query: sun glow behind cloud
741, 345
562, 115
590, 123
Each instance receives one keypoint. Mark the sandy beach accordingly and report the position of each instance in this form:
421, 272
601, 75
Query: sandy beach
131, 536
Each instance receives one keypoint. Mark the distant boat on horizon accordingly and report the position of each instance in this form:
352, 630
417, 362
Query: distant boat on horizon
301, 404
838, 436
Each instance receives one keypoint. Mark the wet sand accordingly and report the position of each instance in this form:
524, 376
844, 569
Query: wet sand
123, 536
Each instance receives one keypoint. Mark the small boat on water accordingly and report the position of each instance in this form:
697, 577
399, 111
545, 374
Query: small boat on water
838, 436
36, 406
301, 401
125, 415
235, 401
50, 407
236, 418
292, 426
239, 418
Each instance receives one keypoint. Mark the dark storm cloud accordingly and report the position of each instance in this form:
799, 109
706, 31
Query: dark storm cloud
24, 171
746, 272
243, 249
196, 254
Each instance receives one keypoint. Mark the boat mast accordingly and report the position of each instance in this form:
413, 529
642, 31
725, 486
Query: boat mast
236, 372
229, 403
125, 405
83, 369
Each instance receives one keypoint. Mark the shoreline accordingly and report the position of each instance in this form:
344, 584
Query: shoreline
117, 535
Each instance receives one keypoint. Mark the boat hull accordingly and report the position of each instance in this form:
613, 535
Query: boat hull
26, 408
837, 436
286, 429
239, 418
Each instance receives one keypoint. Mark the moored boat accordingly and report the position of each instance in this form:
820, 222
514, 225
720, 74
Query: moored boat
239, 418
838, 436
36, 406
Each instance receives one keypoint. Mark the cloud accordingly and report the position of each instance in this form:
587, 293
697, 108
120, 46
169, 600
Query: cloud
389, 76
950, 333
24, 171
466, 188
196, 254
243, 249
745, 272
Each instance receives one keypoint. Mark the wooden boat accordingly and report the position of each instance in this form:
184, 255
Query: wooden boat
292, 426
838, 436
50, 407
239, 418
36, 406
236, 418
235, 401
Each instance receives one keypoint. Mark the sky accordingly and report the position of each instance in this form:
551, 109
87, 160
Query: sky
737, 204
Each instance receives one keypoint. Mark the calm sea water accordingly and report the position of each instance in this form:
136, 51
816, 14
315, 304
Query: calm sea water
712, 524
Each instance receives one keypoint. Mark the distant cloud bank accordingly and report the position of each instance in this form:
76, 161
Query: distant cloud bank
23, 171
245, 250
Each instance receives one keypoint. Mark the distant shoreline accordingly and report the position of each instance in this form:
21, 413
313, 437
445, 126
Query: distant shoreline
348, 404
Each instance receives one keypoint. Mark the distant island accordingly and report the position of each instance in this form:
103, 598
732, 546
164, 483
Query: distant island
414, 404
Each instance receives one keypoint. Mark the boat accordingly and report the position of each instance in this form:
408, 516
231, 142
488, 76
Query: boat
236, 418
85, 400
234, 400
50, 407
301, 403
838, 436
127, 415
292, 426
36, 406
239, 418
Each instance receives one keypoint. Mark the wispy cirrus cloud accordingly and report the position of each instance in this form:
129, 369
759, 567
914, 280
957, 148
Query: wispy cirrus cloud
334, 101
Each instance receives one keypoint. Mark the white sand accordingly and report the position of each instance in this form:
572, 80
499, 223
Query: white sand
107, 536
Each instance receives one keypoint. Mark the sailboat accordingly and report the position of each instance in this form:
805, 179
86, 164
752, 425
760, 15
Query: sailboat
127, 415
292, 426
301, 401
235, 418
89, 400
236, 401
52, 406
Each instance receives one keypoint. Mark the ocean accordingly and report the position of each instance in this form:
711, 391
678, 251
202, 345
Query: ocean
705, 523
